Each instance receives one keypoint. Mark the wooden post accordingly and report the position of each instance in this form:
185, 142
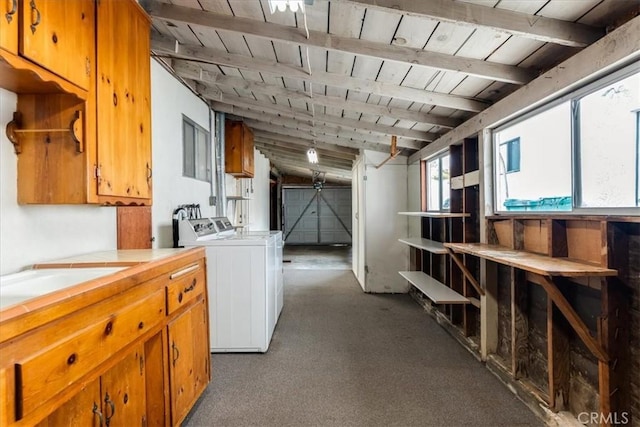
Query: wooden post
559, 361
519, 324
613, 328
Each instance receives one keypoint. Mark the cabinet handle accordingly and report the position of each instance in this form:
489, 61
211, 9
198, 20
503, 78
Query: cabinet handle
192, 287
184, 271
34, 12
108, 401
14, 8
176, 353
97, 412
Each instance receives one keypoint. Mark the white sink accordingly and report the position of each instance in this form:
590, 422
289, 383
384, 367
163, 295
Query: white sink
19, 287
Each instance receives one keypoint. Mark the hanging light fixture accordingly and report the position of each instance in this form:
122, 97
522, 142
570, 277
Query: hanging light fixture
281, 5
312, 155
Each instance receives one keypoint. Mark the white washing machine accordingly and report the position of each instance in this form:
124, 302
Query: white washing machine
244, 280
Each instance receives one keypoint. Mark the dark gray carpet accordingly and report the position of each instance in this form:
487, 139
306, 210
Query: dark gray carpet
340, 357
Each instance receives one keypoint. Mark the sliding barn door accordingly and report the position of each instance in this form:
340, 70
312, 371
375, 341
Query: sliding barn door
314, 217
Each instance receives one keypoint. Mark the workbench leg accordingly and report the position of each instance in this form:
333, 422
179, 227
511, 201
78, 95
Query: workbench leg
519, 325
488, 308
559, 360
613, 335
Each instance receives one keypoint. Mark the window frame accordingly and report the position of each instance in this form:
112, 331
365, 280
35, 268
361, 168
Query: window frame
425, 181
573, 97
197, 161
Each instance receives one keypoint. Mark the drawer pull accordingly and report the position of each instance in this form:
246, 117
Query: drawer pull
192, 287
35, 16
72, 359
97, 412
184, 271
180, 297
112, 406
141, 325
14, 8
108, 328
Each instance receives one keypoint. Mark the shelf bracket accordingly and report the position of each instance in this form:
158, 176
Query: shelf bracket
75, 129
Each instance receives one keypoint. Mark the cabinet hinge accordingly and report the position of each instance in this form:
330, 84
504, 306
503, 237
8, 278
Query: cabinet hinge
364, 178
96, 172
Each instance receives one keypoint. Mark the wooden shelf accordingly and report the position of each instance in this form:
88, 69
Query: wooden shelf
436, 214
528, 261
425, 244
22, 76
433, 289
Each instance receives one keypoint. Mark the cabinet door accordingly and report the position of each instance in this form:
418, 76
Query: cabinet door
59, 35
247, 152
124, 100
9, 25
83, 409
188, 359
123, 392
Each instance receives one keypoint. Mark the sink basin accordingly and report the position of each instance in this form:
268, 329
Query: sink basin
18, 287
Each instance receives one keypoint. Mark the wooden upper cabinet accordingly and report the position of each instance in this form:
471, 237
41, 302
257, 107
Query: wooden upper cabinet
239, 160
59, 36
124, 102
9, 25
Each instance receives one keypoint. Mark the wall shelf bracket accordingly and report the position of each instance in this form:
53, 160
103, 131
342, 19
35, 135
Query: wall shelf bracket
75, 129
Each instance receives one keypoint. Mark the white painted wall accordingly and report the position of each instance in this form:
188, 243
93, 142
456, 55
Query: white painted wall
385, 194
36, 233
255, 212
169, 101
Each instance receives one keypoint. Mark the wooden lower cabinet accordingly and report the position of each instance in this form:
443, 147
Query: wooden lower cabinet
123, 357
189, 359
117, 398
81, 410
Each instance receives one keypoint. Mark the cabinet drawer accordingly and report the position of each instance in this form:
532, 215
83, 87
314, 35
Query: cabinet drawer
185, 285
40, 376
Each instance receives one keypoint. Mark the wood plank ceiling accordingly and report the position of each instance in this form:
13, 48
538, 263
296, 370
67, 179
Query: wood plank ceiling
347, 75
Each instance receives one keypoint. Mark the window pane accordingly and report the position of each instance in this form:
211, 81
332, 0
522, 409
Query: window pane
446, 188
188, 164
433, 185
201, 155
608, 141
543, 179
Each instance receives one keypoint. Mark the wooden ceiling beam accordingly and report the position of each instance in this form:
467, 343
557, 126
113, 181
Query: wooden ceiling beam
343, 172
301, 152
349, 153
302, 157
329, 131
301, 171
243, 104
320, 127
214, 94
302, 148
475, 67
287, 132
354, 46
541, 28
195, 72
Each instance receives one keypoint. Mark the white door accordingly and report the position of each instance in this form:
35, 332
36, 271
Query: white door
358, 222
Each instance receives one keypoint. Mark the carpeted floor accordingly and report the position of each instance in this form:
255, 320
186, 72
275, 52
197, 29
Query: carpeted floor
340, 357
